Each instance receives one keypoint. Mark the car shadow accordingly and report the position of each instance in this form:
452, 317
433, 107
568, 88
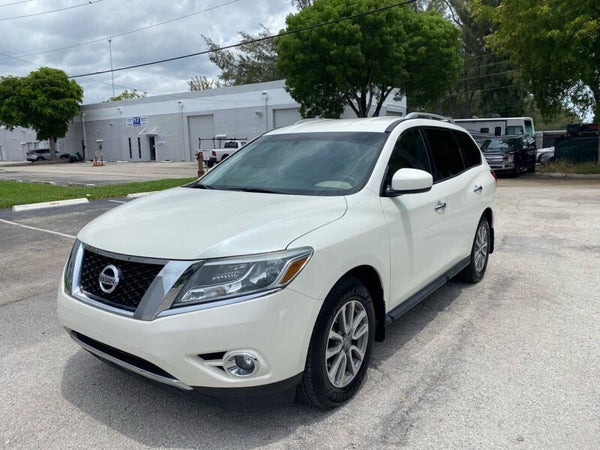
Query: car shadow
158, 417
408, 326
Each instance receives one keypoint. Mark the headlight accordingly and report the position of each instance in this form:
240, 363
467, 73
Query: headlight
509, 158
220, 279
69, 267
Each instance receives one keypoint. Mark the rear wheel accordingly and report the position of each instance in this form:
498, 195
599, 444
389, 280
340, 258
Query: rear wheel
474, 272
340, 346
210, 163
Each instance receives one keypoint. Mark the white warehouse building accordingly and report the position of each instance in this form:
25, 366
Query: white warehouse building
173, 127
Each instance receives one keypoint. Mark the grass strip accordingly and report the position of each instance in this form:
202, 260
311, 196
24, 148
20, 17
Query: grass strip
564, 166
16, 193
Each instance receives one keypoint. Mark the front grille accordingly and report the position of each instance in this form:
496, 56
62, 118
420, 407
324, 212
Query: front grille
134, 280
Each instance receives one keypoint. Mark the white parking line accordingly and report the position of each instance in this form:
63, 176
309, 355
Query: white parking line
37, 229
116, 201
31, 206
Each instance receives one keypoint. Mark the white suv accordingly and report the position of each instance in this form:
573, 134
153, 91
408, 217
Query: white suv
275, 273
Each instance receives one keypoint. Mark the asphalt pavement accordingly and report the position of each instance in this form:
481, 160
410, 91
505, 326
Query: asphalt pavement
512, 362
86, 173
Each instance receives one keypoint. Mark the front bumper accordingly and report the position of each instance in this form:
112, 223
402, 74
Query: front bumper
276, 327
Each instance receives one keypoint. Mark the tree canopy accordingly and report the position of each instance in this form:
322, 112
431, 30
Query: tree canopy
127, 95
254, 63
555, 43
203, 83
488, 83
359, 62
45, 101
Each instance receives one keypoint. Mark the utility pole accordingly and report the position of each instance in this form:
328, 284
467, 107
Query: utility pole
112, 74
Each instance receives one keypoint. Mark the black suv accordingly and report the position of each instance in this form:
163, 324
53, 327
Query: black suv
508, 154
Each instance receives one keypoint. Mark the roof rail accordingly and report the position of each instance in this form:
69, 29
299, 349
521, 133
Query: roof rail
425, 115
312, 119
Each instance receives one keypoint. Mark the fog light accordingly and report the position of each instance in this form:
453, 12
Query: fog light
241, 364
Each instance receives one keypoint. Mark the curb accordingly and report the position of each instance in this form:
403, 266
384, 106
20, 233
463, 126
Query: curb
590, 176
140, 194
43, 205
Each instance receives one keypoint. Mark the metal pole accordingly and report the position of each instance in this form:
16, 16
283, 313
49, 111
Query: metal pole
112, 74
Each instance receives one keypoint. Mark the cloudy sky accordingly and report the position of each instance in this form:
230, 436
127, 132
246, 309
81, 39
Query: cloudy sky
33, 36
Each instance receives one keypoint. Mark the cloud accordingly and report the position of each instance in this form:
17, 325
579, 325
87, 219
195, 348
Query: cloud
26, 39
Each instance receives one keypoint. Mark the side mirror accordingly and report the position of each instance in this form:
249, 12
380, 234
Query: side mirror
409, 181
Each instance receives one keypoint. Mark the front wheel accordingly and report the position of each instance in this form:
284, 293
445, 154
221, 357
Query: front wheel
474, 272
340, 346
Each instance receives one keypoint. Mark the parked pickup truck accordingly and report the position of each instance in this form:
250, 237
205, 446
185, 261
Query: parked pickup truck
216, 155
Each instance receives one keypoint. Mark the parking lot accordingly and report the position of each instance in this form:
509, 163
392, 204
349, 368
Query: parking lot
513, 361
86, 173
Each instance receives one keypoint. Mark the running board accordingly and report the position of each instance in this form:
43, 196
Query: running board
409, 303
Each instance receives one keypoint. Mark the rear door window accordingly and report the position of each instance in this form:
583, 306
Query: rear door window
470, 151
447, 159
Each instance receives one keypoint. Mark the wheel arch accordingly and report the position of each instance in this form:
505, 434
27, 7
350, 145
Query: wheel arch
370, 277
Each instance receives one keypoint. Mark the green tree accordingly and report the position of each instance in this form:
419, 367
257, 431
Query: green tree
359, 62
555, 43
488, 83
203, 83
45, 101
254, 63
127, 95
301, 4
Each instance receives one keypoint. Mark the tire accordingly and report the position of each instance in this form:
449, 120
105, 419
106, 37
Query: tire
210, 164
475, 271
322, 385
531, 169
40, 159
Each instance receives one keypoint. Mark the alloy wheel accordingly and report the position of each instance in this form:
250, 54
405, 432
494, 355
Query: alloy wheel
481, 248
347, 343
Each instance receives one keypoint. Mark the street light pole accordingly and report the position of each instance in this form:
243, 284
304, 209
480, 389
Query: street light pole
112, 74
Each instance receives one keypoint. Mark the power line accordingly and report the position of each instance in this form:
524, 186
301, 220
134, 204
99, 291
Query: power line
239, 44
93, 41
90, 2
489, 75
506, 61
15, 3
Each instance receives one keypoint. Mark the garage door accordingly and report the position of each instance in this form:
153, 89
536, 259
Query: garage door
201, 127
287, 116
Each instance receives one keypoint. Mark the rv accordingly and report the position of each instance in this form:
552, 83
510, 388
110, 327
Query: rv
499, 126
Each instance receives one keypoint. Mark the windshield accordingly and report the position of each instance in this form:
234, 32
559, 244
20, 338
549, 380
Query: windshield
300, 163
495, 145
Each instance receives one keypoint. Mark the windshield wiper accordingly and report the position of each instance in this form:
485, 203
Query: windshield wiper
259, 190
202, 186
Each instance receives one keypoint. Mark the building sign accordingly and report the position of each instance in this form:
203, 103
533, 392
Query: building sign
136, 121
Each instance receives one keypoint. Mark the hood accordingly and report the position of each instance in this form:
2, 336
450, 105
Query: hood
185, 223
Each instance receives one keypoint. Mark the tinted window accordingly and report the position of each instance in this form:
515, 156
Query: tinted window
498, 131
409, 153
446, 155
470, 151
484, 130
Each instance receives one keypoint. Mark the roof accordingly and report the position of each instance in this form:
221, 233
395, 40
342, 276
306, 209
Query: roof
371, 124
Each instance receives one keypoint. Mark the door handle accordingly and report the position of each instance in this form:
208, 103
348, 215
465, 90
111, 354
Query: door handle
478, 188
441, 206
